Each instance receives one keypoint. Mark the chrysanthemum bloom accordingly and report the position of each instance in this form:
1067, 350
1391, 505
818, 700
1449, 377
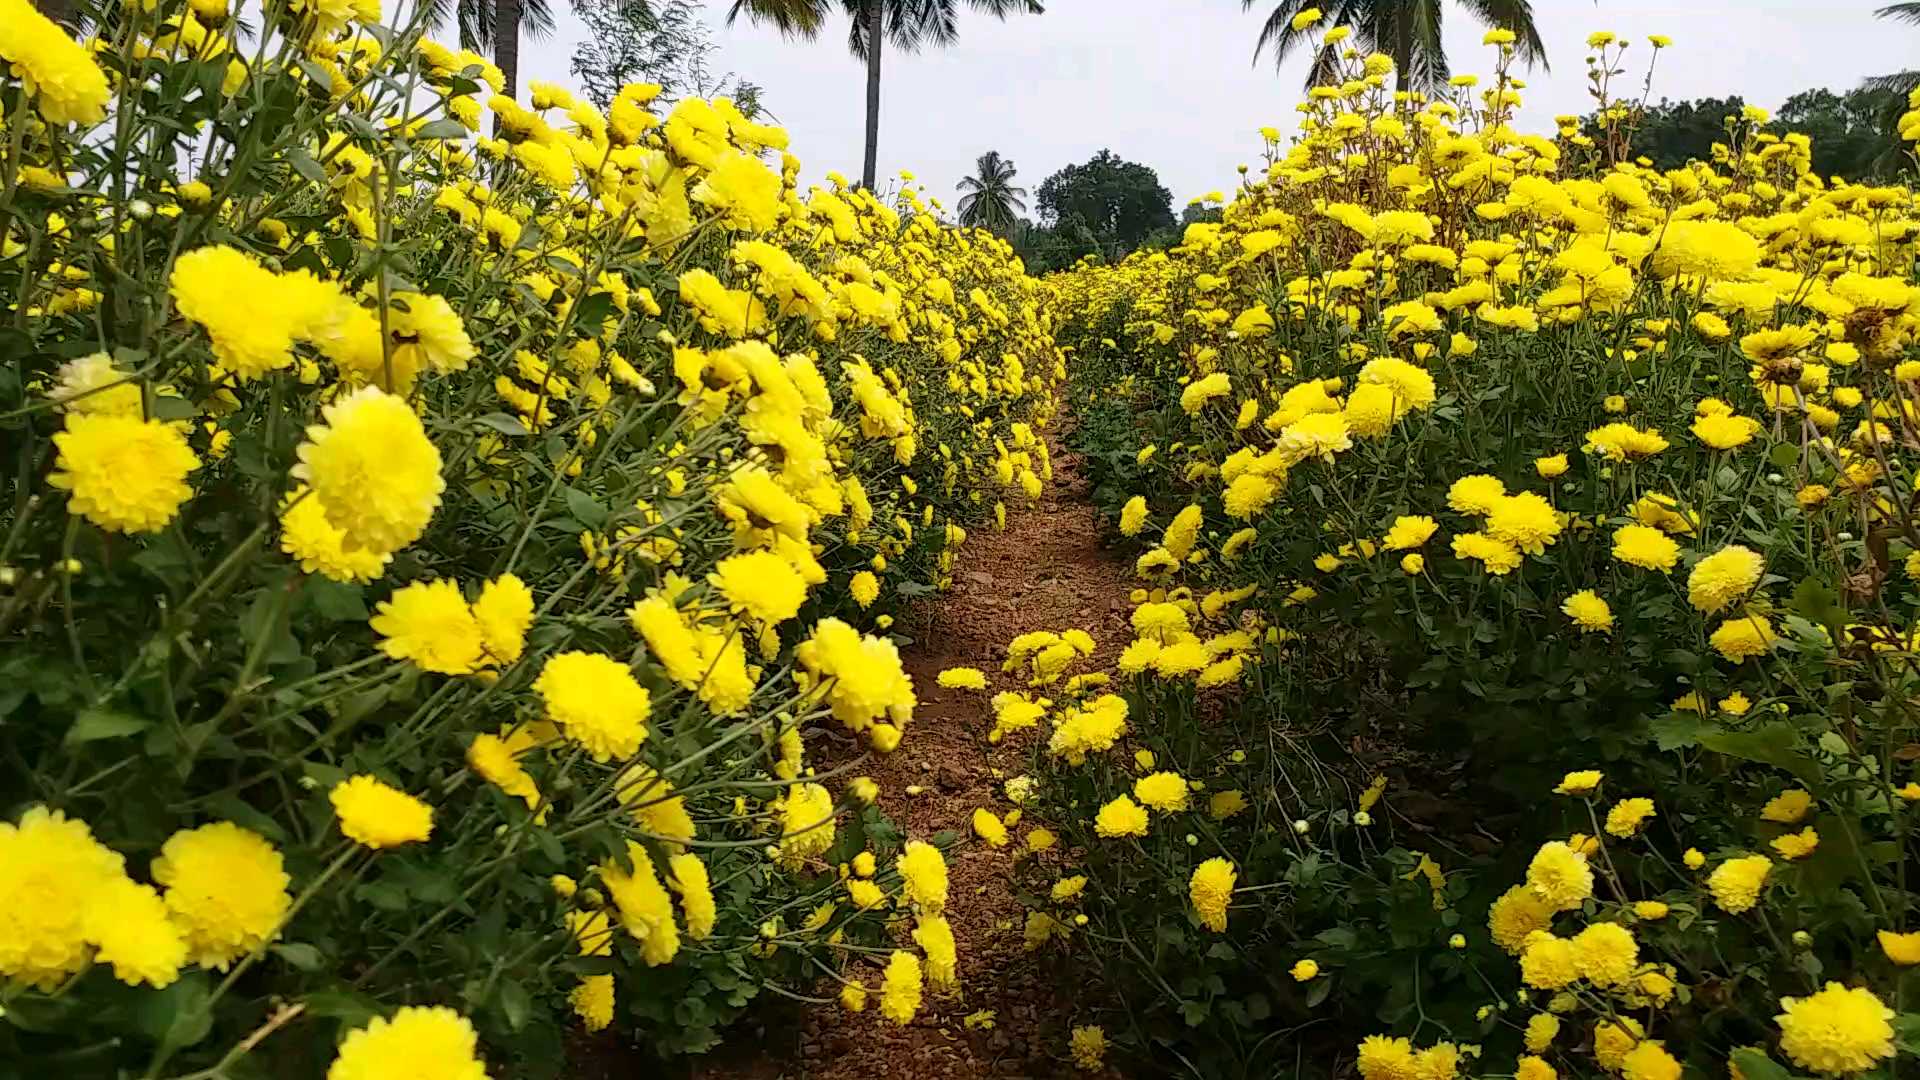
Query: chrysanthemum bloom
1121, 817
1533, 1067
1902, 949
1211, 890
1383, 1058
1736, 883
1304, 970
1798, 845
1744, 637
963, 678
934, 935
130, 926
1548, 962
989, 828
1628, 815
853, 998
1589, 612
320, 546
226, 888
1475, 495
864, 680
1088, 1047
1579, 782
1409, 532
1723, 577
923, 873
1560, 876
1181, 532
1722, 431
1542, 1029
374, 470
900, 989
51, 872
427, 1043
379, 816
1606, 954
597, 703
1515, 915
1649, 1061
1527, 521
592, 1001
1248, 496
864, 588
67, 86
121, 472
1788, 807
761, 585
646, 911
1838, 1031
430, 624
1645, 547
1163, 791
1133, 516
1222, 805
1497, 557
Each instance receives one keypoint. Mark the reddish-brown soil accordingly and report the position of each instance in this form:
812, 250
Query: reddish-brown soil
1045, 571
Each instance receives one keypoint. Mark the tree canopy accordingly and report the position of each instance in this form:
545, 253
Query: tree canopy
1851, 130
1107, 206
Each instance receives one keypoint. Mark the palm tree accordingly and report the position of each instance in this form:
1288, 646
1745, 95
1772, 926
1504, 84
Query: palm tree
1900, 82
909, 25
1407, 30
991, 201
496, 25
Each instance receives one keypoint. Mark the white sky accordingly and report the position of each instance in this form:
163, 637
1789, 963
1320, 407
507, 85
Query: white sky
1170, 83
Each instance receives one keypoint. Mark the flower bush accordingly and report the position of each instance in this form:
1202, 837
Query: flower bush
440, 532
1574, 495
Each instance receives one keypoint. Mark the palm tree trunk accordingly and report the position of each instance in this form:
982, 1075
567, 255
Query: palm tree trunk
506, 41
875, 8
1403, 47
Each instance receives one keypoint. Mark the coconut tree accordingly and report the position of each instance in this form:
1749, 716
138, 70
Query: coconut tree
1899, 82
991, 201
908, 25
1407, 30
496, 25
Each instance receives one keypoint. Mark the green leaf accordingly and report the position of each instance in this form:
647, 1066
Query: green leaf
351, 1009
1676, 730
444, 128
586, 508
1773, 744
300, 955
515, 1003
1318, 992
1819, 603
1756, 1065
337, 601
99, 723
180, 1015
504, 424
1784, 456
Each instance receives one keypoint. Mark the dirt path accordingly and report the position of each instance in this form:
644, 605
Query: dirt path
1046, 571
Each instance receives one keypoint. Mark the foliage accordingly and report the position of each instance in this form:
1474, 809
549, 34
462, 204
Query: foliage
992, 202
668, 44
1107, 207
428, 559
1563, 504
1852, 132
1407, 31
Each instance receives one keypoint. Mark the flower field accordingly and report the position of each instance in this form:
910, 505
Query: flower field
452, 545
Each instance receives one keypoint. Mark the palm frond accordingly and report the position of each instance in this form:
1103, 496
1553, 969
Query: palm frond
793, 18
1517, 16
1907, 12
1899, 82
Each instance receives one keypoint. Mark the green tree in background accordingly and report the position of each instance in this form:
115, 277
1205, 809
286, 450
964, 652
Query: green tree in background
1107, 207
991, 201
669, 45
1407, 30
908, 25
1852, 131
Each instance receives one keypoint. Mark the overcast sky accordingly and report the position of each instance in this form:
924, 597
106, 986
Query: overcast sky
1172, 83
